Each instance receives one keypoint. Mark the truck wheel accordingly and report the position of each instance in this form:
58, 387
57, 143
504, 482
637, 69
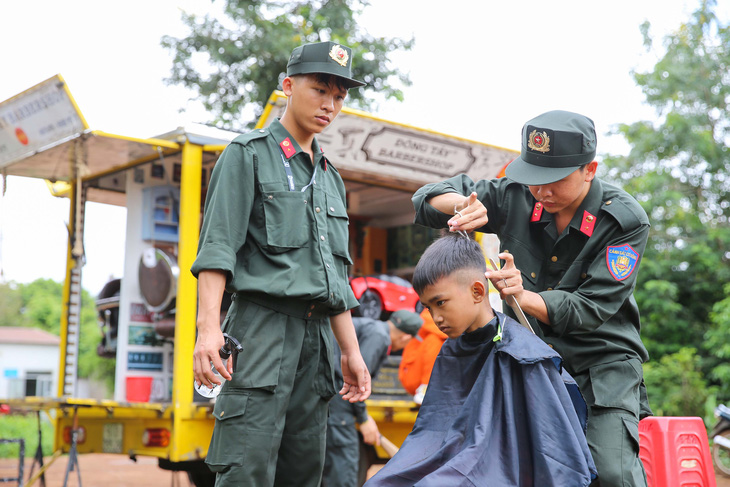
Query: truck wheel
370, 305
199, 478
721, 456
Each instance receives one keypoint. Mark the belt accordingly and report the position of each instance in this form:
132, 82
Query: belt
297, 308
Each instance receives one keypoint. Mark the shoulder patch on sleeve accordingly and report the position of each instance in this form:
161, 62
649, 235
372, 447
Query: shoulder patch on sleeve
621, 261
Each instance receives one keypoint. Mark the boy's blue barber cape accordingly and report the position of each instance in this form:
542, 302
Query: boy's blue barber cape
495, 414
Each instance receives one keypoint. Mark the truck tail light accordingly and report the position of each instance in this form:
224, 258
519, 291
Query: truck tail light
156, 437
80, 437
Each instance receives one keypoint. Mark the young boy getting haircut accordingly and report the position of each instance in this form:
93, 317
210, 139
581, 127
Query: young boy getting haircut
498, 410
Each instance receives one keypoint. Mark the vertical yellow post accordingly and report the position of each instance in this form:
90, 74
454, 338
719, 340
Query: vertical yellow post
70, 264
187, 295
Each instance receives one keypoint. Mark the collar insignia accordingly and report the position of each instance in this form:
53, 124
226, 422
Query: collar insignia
536, 212
287, 148
588, 223
538, 141
339, 55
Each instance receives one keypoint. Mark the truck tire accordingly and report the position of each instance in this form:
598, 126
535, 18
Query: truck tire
371, 306
199, 478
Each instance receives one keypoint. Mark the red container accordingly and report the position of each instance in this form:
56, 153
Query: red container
675, 452
139, 389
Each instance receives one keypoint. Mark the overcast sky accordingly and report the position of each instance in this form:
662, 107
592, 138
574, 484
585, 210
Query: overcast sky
480, 70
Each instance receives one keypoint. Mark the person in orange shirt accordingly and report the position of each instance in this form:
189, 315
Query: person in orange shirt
418, 358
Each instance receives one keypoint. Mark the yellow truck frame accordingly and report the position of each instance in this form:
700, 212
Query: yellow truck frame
177, 432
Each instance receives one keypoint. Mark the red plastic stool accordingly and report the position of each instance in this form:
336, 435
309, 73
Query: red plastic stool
675, 452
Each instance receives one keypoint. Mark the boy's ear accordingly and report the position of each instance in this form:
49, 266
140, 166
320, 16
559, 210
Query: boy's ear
479, 291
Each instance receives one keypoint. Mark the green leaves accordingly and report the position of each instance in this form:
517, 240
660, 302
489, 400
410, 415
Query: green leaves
678, 168
233, 63
39, 305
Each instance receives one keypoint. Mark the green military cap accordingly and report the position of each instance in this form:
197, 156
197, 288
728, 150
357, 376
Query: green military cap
406, 321
323, 57
554, 145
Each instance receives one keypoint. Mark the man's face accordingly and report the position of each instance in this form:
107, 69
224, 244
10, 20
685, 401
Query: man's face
567, 193
452, 306
314, 103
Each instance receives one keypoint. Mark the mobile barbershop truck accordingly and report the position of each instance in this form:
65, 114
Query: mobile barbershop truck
147, 317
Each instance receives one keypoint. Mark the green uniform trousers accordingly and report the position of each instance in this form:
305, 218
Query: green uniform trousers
612, 392
271, 417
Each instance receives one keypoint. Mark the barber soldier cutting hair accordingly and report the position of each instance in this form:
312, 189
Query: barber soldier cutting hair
571, 245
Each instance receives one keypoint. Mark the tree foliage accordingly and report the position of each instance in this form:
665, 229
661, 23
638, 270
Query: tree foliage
234, 63
678, 168
39, 305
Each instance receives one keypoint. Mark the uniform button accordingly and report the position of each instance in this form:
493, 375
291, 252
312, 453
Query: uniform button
506, 251
550, 346
328, 266
317, 209
305, 202
271, 197
332, 209
583, 276
222, 413
343, 423
321, 237
332, 295
609, 202
554, 258
262, 130
533, 275
549, 289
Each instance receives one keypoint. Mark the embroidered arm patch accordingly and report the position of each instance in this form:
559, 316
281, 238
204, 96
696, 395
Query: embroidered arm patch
621, 261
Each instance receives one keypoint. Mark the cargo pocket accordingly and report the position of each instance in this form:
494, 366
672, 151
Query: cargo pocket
325, 382
337, 223
633, 470
227, 445
258, 330
287, 224
616, 385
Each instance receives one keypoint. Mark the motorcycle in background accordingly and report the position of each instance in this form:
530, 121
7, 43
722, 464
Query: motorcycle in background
721, 440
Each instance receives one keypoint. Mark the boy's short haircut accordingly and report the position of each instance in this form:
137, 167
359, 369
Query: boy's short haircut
444, 257
326, 79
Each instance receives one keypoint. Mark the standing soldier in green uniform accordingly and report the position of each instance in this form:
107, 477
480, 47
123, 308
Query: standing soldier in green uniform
275, 235
571, 246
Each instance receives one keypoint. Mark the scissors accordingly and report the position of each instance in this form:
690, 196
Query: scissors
521, 317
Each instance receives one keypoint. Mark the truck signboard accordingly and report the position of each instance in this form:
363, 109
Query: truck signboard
39, 117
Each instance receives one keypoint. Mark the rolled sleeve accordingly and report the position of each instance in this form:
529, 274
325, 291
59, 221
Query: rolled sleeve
429, 216
600, 296
227, 212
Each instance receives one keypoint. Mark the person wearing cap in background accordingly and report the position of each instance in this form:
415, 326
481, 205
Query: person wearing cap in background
275, 235
571, 246
418, 358
377, 339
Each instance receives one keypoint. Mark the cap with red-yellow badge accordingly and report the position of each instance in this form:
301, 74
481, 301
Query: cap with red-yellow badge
554, 145
323, 57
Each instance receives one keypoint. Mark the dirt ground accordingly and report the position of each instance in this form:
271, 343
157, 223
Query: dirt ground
104, 470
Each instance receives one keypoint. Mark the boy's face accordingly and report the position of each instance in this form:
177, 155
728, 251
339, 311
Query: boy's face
314, 104
453, 306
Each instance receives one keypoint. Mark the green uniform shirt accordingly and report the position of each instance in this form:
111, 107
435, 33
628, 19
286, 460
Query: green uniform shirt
291, 246
583, 275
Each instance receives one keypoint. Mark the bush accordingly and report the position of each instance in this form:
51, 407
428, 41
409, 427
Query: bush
25, 426
676, 386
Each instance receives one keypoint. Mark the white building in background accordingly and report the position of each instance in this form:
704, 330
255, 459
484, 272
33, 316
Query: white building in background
28, 362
